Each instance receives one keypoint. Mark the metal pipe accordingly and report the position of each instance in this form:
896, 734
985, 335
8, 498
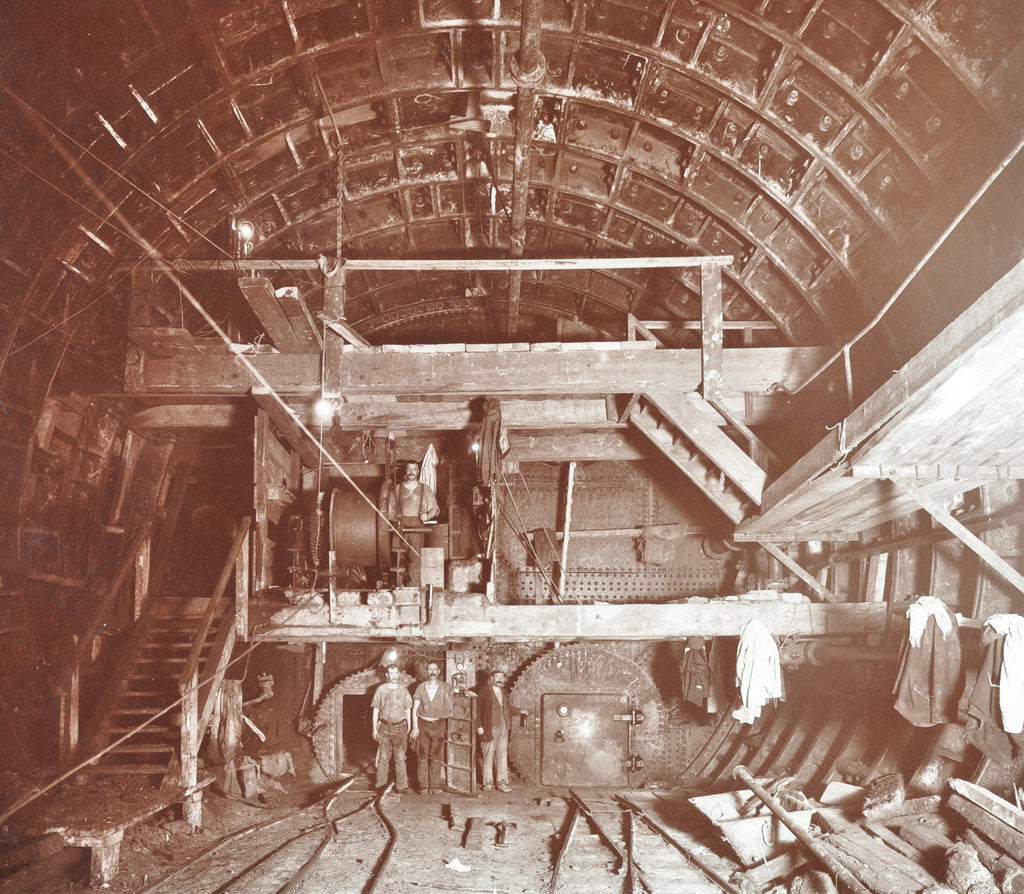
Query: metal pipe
819, 653
841, 873
528, 71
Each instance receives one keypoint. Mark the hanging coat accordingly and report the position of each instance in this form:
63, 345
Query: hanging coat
1011, 671
758, 671
983, 728
695, 672
929, 682
492, 442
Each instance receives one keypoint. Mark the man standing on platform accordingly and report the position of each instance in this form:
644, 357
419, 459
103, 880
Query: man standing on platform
411, 505
432, 705
494, 719
392, 707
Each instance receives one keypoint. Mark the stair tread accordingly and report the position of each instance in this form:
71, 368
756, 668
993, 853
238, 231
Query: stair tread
128, 769
142, 749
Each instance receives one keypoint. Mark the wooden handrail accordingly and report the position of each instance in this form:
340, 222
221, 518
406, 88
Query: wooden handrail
191, 667
84, 647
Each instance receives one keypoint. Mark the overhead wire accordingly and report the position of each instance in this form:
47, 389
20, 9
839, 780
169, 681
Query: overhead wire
40, 123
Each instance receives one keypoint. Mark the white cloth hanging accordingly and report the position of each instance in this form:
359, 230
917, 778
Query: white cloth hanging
926, 607
428, 468
758, 671
1011, 677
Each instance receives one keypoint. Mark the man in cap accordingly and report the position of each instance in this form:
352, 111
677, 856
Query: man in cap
392, 707
494, 720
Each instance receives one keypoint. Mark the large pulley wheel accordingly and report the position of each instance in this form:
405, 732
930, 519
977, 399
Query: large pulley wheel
329, 733
578, 699
359, 535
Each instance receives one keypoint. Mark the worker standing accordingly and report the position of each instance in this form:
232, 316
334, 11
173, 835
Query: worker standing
494, 719
392, 709
432, 705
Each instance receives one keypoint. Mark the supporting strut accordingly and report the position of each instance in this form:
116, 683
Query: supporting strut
843, 875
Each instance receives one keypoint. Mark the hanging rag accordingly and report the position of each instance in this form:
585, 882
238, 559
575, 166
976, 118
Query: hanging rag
758, 671
493, 443
695, 672
983, 714
929, 682
1011, 672
428, 468
722, 685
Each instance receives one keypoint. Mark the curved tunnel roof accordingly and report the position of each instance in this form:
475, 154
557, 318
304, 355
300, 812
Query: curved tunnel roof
824, 144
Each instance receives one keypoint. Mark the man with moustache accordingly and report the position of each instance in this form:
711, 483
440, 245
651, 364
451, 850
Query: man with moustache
432, 705
412, 504
494, 720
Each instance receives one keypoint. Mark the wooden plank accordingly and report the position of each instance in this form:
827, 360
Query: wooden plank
993, 828
794, 566
259, 292
227, 374
463, 414
162, 341
925, 472
711, 332
998, 807
843, 504
304, 328
343, 329
610, 445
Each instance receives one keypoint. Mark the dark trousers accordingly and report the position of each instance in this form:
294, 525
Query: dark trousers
392, 743
430, 752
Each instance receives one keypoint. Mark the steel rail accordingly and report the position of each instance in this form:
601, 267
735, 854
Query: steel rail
382, 861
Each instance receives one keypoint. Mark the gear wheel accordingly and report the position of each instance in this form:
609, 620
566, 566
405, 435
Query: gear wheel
585, 668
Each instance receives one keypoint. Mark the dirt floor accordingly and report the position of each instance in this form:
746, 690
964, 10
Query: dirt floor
488, 842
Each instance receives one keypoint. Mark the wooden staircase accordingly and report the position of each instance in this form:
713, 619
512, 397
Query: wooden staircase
146, 685
682, 428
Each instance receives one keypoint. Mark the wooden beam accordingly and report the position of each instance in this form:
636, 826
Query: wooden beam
169, 417
581, 446
984, 552
711, 331
476, 618
596, 369
259, 292
471, 264
463, 414
928, 472
795, 567
344, 330
288, 426
226, 375
304, 327
697, 325
566, 527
